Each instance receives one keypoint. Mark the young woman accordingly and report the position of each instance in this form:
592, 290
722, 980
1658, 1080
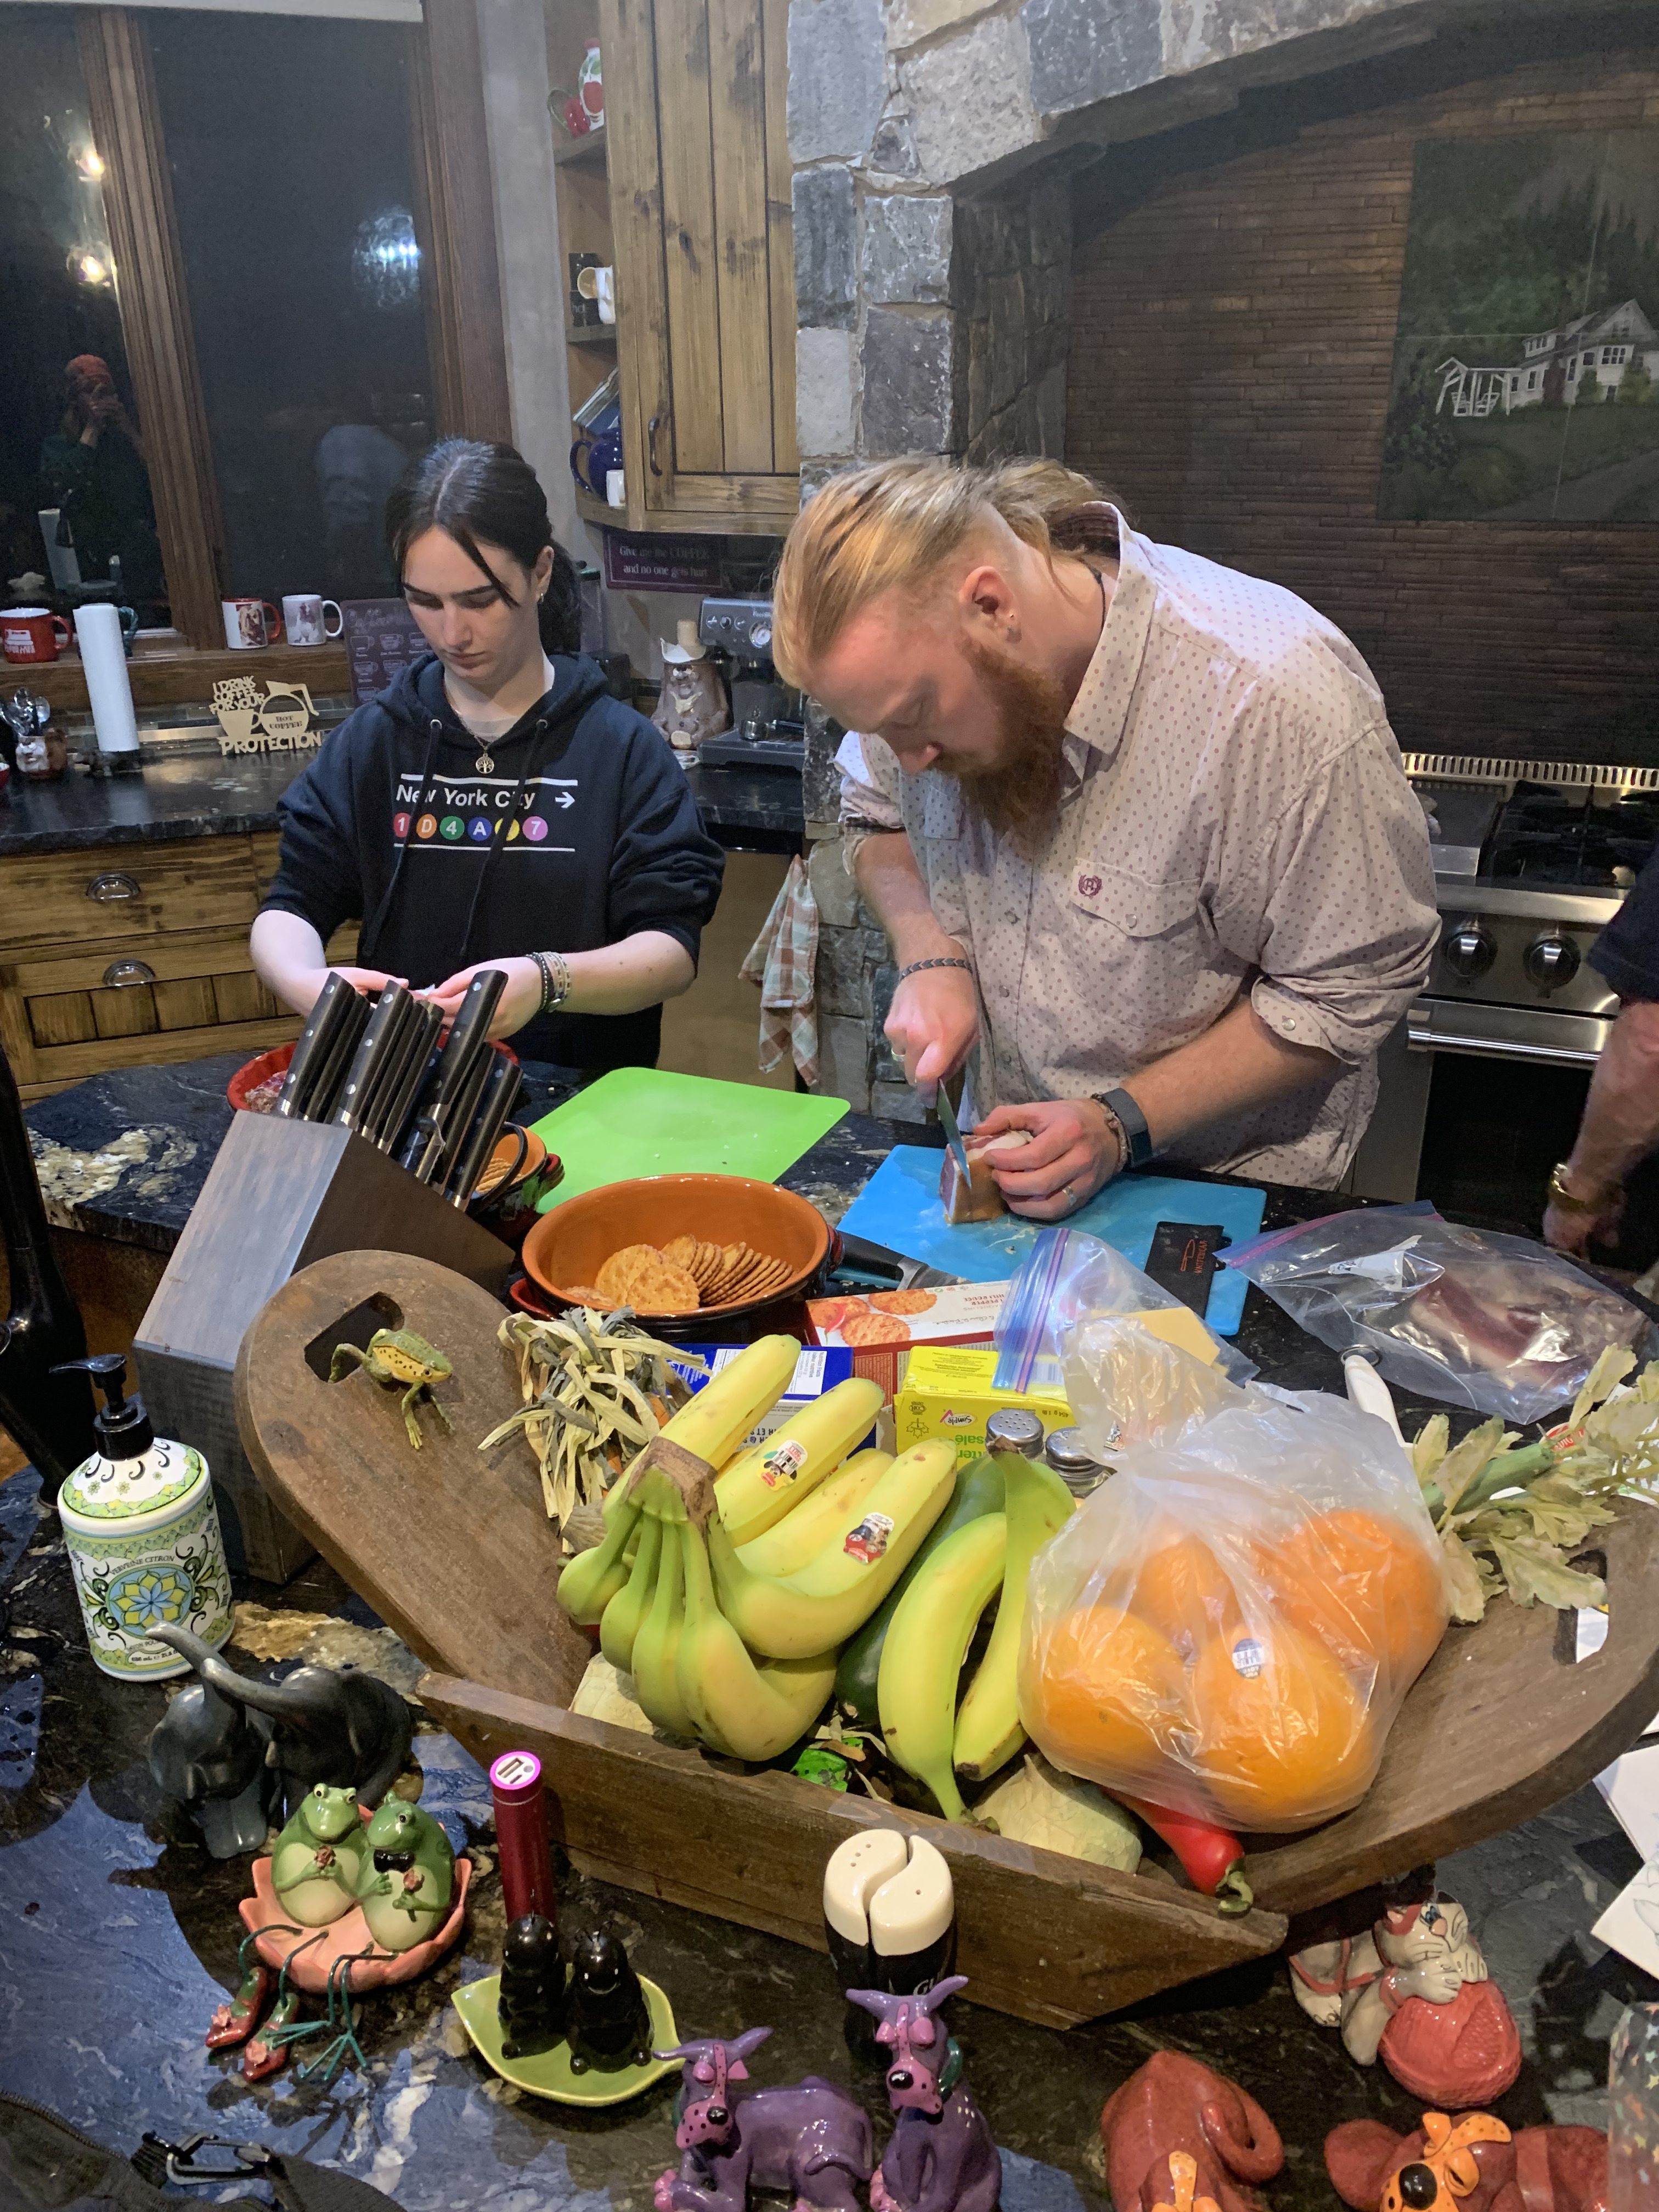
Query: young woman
496, 807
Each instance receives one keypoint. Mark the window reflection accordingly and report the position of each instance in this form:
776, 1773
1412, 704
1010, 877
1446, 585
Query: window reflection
71, 444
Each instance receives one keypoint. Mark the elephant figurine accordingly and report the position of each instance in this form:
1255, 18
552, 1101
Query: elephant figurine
208, 1754
335, 1725
1172, 2105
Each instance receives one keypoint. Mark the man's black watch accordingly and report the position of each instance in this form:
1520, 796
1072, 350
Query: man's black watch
1130, 1123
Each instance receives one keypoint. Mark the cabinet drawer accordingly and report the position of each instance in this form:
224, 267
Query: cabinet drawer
126, 892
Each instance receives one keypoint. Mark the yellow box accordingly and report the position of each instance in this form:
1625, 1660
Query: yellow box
947, 1391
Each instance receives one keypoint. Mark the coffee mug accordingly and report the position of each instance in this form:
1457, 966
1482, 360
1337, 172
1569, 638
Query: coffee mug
32, 633
305, 617
615, 488
250, 621
600, 285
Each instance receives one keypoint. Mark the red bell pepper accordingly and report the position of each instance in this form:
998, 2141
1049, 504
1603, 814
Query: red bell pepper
1213, 1858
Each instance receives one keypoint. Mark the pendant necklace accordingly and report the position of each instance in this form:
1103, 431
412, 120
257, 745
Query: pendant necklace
485, 764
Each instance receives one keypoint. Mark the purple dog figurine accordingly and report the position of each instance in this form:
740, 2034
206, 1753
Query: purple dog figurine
810, 2139
941, 2158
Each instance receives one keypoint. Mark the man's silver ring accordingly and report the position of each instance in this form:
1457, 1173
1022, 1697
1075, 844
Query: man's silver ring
1076, 1201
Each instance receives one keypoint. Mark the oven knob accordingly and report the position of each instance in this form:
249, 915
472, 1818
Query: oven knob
1469, 950
1552, 961
761, 636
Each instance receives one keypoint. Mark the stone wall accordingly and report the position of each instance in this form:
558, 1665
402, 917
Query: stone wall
1230, 375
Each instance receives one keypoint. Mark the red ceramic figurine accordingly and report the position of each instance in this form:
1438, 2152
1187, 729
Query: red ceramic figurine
1172, 2110
1471, 2163
1415, 1992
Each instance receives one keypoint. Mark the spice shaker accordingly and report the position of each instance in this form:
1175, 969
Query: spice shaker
1013, 1430
1075, 1462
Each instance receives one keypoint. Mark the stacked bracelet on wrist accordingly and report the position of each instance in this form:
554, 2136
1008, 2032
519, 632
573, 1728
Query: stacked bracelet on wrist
557, 979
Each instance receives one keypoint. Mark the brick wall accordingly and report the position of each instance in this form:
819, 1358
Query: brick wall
1230, 361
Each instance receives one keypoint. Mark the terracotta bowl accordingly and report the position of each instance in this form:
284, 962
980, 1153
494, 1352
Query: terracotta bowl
571, 1244
255, 1071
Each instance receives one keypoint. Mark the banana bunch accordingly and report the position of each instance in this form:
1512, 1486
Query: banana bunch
733, 1631
933, 1624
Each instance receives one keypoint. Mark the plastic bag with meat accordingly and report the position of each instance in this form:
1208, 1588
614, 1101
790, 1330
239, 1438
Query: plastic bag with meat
1494, 1322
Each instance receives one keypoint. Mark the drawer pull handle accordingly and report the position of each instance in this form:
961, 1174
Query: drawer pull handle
123, 975
108, 890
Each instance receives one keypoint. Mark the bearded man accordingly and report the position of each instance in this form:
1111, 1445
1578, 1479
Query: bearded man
1135, 825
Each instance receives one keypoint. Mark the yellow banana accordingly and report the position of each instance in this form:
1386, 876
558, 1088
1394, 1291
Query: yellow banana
745, 1711
801, 1534
769, 1479
789, 1616
927, 1643
1037, 1502
590, 1581
715, 1422
620, 1623
657, 1646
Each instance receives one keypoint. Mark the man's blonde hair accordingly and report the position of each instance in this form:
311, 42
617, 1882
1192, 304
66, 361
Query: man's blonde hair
894, 524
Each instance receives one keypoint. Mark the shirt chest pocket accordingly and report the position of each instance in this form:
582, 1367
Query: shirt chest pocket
1137, 908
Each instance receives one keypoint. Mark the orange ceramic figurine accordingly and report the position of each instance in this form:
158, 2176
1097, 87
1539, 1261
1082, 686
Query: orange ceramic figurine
1174, 2125
1471, 2164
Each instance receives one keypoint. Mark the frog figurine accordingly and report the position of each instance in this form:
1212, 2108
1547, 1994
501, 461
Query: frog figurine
396, 1356
321, 1855
408, 1882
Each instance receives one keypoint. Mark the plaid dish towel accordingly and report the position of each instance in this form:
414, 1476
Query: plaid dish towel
783, 960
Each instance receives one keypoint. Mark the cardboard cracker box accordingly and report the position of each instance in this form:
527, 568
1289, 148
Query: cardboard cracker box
881, 1327
947, 1391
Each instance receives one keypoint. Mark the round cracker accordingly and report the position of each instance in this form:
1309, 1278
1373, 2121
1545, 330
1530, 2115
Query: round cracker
902, 1302
658, 1286
864, 1328
615, 1276
680, 1249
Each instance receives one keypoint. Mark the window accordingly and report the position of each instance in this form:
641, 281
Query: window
288, 139
71, 437
1532, 379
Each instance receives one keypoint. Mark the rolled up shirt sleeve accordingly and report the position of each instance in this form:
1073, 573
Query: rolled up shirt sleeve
1347, 915
869, 793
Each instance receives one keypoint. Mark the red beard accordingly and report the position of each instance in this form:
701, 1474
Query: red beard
1017, 793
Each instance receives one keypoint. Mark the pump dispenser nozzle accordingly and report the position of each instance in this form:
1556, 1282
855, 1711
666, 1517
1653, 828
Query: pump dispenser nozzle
123, 1427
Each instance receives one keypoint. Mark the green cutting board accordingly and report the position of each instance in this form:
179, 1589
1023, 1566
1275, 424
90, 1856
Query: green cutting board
646, 1121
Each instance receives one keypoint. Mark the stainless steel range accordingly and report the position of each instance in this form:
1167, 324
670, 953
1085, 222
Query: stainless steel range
1531, 860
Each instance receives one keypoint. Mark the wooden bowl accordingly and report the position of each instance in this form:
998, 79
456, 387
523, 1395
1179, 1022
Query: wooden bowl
572, 1243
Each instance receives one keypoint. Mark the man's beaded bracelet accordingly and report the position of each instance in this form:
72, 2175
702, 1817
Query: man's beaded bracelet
557, 979
916, 967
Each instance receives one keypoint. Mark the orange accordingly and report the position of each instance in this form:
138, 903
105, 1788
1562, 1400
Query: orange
1101, 1692
1284, 1737
1364, 1586
1183, 1591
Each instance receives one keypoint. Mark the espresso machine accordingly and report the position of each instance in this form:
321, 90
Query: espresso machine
767, 730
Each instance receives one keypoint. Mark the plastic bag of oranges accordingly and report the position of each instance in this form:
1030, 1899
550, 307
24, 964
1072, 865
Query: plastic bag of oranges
1229, 1624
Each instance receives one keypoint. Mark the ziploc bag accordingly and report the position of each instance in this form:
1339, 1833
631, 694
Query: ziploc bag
1228, 1625
1069, 1277
1478, 1318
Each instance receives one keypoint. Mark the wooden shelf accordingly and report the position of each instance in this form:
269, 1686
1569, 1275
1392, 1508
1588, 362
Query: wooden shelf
598, 510
179, 676
590, 334
586, 153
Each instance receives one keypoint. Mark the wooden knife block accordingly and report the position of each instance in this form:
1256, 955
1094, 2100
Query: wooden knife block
281, 1194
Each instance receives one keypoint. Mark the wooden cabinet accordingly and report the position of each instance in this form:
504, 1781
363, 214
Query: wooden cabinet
697, 170
126, 954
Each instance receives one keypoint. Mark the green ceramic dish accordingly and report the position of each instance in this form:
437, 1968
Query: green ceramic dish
548, 2073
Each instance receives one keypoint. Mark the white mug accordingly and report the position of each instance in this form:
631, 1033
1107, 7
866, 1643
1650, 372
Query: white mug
615, 488
605, 291
305, 617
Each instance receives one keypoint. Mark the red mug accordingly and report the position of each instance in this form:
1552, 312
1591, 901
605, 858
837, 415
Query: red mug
250, 623
32, 633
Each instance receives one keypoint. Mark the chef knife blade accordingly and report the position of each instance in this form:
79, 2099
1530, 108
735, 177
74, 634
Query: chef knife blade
501, 1087
467, 1037
327, 1009
343, 1043
947, 1121
375, 1047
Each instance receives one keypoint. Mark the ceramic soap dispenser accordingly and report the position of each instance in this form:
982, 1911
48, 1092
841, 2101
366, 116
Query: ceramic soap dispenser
143, 1533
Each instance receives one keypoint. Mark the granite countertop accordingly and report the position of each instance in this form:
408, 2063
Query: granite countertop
117, 1928
199, 796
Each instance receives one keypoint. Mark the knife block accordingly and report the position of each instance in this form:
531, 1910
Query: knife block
281, 1194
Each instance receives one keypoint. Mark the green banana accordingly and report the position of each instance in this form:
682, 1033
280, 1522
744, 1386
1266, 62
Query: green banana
801, 1535
979, 1489
989, 1731
926, 1645
590, 1581
791, 1616
745, 1711
656, 1646
620, 1623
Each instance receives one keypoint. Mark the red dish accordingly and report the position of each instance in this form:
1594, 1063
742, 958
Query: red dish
276, 1062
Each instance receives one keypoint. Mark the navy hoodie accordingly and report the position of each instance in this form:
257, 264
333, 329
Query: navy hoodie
582, 830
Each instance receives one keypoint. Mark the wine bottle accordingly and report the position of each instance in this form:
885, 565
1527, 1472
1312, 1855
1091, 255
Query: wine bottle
49, 1415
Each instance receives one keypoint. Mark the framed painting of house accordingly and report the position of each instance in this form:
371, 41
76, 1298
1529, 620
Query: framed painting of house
1525, 384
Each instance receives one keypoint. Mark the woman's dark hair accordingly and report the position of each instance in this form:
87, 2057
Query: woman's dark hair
474, 490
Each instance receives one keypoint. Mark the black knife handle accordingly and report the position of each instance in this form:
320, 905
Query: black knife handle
469, 1033
445, 1147
312, 1044
342, 1044
417, 1070
380, 1033
500, 1090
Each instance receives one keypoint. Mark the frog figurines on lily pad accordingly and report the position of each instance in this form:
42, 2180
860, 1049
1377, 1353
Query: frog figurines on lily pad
407, 1887
396, 1357
321, 1857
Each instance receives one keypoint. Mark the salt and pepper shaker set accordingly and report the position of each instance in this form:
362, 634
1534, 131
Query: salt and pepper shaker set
1014, 1429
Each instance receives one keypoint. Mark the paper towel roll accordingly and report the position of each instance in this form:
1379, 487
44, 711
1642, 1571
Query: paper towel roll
103, 655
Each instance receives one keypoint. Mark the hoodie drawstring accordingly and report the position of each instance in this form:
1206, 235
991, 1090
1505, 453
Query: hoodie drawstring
369, 935
502, 831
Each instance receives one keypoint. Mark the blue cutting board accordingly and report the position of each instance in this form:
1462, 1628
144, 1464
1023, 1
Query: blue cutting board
900, 1207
